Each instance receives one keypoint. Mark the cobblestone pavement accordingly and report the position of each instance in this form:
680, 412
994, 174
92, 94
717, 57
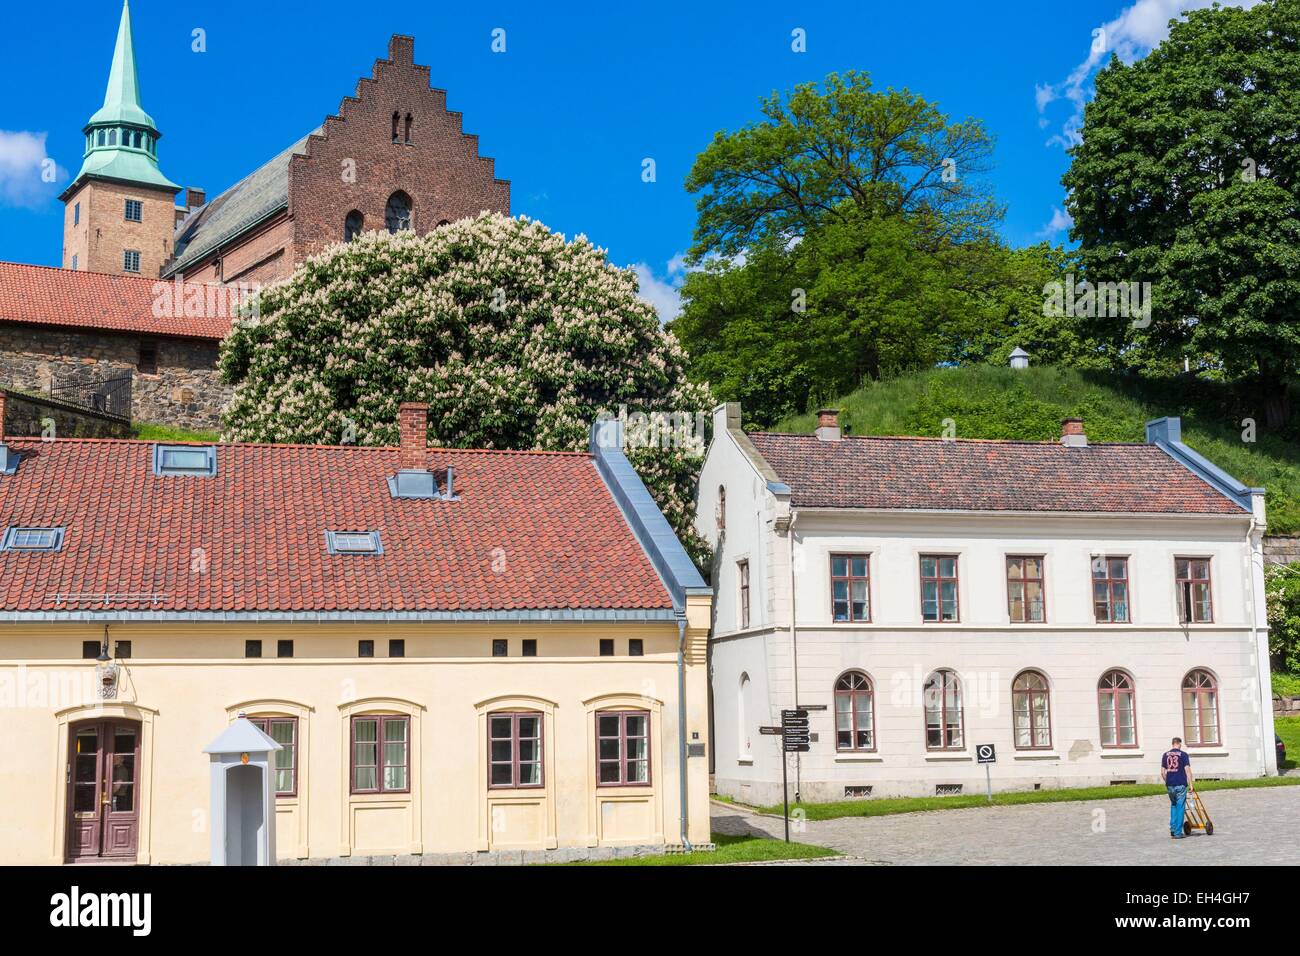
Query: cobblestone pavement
1260, 826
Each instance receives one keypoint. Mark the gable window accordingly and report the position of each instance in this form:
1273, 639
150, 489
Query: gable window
1200, 709
854, 713
515, 750
185, 460
1031, 716
284, 731
1025, 590
380, 753
742, 569
623, 748
130, 260
134, 210
409, 124
397, 212
939, 587
850, 591
147, 362
1117, 710
1193, 577
1110, 590
720, 516
353, 225
396, 119
353, 542
943, 715
33, 539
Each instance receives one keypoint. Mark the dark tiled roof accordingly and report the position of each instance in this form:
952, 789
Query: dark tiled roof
92, 300
249, 201
968, 475
532, 530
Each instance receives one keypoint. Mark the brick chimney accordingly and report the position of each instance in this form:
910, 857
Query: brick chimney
828, 424
194, 198
413, 426
1072, 434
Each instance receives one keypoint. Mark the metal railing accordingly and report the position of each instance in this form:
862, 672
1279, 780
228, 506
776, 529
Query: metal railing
109, 396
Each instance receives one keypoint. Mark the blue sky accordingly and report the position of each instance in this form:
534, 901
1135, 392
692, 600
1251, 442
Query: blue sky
582, 95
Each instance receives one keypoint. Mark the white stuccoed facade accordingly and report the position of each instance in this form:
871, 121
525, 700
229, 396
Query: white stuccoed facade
759, 670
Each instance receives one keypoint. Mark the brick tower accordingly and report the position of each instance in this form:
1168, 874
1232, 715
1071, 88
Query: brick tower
119, 212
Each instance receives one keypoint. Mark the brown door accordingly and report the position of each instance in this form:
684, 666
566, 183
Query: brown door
103, 790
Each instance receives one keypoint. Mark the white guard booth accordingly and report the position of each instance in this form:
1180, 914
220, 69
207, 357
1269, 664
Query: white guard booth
243, 796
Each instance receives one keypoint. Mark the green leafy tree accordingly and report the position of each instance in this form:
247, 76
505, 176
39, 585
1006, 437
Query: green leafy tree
1187, 177
835, 153
1282, 594
515, 337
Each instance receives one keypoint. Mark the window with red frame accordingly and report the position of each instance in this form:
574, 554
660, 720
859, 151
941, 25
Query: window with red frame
515, 750
850, 587
943, 715
623, 748
1025, 603
1194, 603
854, 713
939, 587
284, 731
1117, 710
1110, 590
1031, 711
381, 753
1200, 709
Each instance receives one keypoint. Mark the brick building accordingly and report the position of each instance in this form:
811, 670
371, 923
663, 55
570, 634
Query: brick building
393, 157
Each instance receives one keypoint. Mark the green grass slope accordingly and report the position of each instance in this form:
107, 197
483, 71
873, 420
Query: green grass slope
992, 402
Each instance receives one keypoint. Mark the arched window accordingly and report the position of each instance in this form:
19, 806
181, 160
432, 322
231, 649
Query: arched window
396, 119
1200, 709
855, 715
943, 718
409, 123
721, 516
1031, 711
353, 225
1117, 709
112, 137
397, 214
744, 744
99, 137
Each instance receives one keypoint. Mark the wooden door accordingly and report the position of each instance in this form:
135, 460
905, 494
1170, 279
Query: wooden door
103, 790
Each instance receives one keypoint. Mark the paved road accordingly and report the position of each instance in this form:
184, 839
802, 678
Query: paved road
1250, 827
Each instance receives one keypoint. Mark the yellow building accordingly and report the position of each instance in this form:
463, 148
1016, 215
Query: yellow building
465, 655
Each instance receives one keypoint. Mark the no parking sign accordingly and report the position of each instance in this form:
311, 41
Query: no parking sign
984, 753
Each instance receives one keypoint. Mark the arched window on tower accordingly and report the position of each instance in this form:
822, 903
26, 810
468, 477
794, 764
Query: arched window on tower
353, 225
397, 214
396, 119
409, 123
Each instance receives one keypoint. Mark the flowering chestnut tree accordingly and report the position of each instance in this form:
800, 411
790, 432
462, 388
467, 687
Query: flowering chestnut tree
515, 337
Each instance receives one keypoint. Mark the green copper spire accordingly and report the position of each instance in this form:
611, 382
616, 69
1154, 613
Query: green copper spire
121, 138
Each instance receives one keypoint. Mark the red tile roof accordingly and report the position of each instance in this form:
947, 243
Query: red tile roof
91, 300
971, 475
532, 530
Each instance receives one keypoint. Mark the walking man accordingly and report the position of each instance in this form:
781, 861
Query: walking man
1175, 768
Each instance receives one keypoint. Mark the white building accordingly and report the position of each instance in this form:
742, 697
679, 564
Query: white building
1077, 605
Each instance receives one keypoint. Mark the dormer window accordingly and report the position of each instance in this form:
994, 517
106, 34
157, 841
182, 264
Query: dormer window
353, 542
185, 460
33, 539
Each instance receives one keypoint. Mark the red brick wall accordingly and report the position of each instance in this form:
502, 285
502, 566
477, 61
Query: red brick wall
440, 170
103, 233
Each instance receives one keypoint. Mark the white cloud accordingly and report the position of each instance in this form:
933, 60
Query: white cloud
28, 177
1059, 222
1135, 32
663, 293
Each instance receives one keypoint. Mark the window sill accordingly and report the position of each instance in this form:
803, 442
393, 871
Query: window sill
859, 758
1206, 751
1037, 755
1116, 754
952, 757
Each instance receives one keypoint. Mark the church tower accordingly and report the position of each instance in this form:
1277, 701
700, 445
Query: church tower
120, 212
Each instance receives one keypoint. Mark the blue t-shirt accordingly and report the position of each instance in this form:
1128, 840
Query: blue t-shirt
1175, 762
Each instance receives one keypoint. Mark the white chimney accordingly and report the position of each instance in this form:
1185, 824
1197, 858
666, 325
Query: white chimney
1019, 358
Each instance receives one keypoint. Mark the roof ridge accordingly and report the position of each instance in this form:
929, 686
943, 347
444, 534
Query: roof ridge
79, 272
35, 440
1050, 442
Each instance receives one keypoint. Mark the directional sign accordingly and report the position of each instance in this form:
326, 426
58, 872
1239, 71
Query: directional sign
796, 748
984, 753
770, 731
799, 714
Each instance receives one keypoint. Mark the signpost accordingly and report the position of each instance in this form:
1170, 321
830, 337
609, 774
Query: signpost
987, 754
794, 739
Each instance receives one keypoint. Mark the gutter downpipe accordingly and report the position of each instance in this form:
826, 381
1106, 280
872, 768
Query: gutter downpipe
681, 727
794, 650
